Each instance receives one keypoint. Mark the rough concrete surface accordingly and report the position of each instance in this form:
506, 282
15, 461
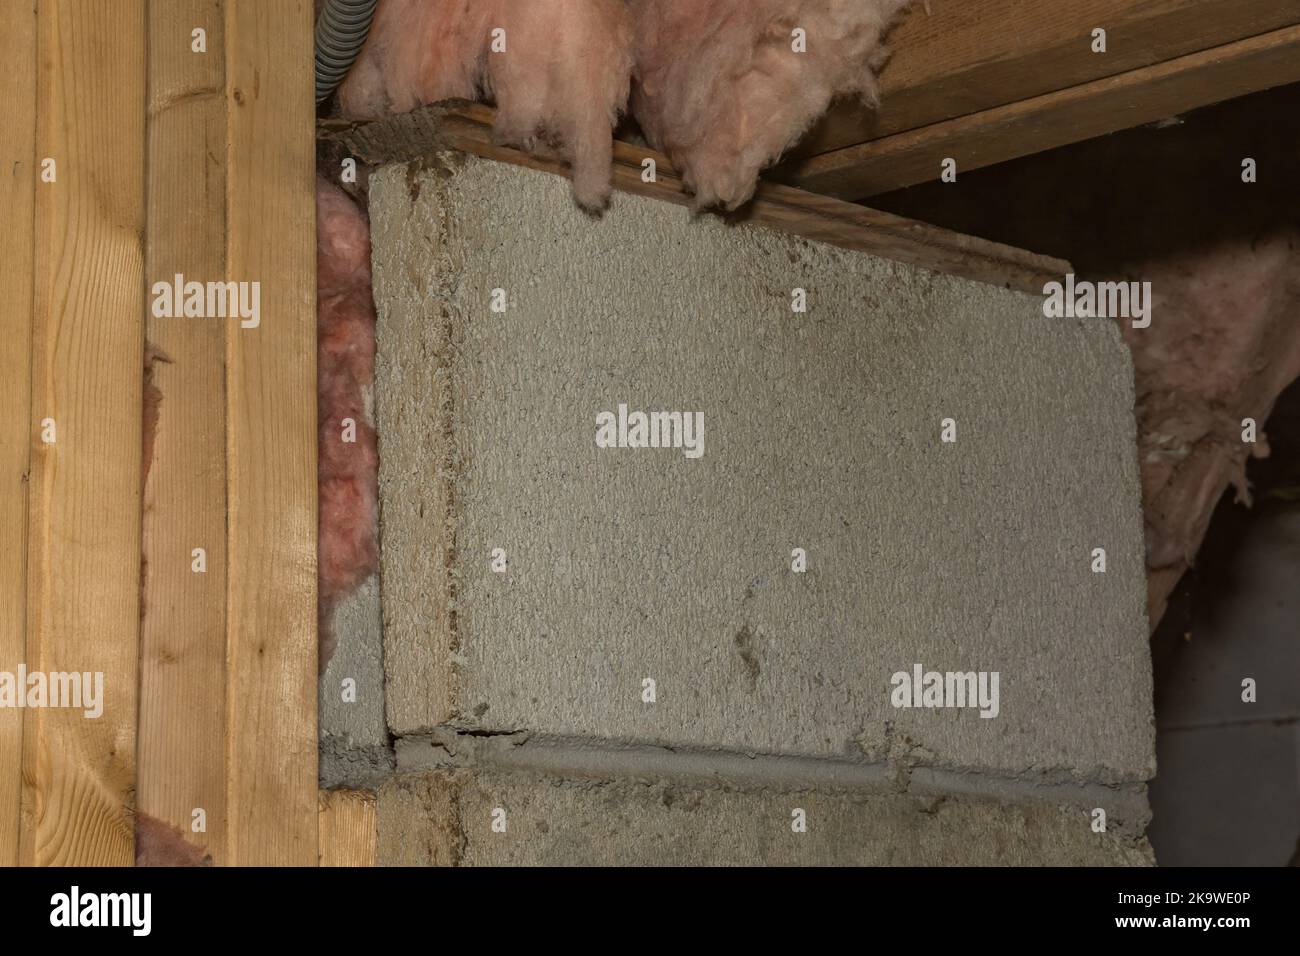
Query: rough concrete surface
1126, 806
354, 737
821, 432
447, 818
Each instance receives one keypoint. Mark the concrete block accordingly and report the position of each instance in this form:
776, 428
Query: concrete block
821, 432
447, 818
354, 738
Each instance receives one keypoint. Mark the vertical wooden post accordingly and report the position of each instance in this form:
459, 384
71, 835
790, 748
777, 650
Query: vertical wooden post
181, 752
349, 828
17, 181
83, 561
271, 437
163, 160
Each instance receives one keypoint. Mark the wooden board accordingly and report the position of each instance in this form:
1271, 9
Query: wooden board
1055, 119
88, 321
170, 161
349, 832
468, 127
182, 760
17, 182
966, 56
271, 438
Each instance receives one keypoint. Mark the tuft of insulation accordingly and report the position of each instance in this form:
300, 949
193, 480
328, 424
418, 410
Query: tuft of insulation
558, 71
161, 844
348, 549
151, 411
723, 90
1226, 346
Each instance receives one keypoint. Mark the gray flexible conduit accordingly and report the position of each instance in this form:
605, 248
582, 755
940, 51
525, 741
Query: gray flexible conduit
340, 31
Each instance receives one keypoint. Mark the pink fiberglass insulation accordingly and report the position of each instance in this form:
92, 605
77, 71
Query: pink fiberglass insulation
558, 71
720, 88
152, 409
348, 464
160, 844
1223, 346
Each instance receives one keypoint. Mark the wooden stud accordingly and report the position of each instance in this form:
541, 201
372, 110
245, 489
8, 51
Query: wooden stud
83, 610
17, 429
349, 832
271, 760
182, 746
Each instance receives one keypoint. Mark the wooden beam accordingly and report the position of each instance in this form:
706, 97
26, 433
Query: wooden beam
83, 610
271, 786
182, 747
17, 182
349, 828
965, 57
467, 127
1055, 119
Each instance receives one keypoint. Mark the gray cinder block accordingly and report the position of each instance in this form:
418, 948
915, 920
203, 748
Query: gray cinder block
494, 819
821, 432
354, 738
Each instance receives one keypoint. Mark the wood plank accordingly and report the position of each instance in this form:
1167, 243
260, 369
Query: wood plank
271, 788
181, 752
467, 127
966, 57
1045, 122
84, 539
349, 828
17, 181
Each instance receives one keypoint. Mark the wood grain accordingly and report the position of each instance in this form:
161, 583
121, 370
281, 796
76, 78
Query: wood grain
967, 56
181, 751
17, 181
271, 438
467, 127
1054, 119
84, 524
349, 834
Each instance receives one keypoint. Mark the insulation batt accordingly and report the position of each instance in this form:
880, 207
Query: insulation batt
559, 84
1229, 343
719, 88
160, 844
347, 471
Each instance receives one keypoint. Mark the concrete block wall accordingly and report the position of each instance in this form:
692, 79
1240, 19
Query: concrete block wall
578, 636
488, 818
354, 744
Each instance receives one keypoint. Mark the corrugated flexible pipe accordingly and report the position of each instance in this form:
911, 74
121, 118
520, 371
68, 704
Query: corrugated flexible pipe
340, 31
